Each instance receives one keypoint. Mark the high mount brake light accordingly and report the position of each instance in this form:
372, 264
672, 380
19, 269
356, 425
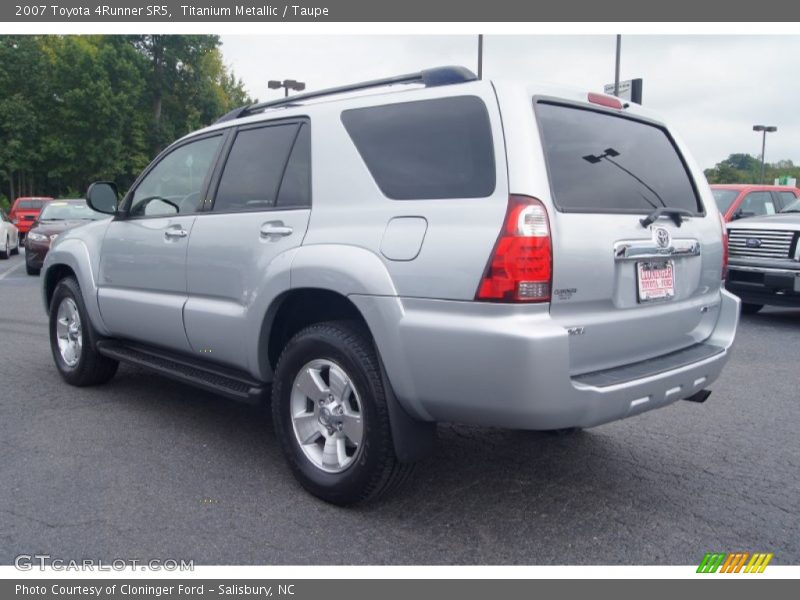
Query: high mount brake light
603, 100
521, 266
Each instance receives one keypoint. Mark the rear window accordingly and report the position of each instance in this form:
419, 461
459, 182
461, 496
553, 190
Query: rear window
724, 199
30, 204
600, 162
428, 149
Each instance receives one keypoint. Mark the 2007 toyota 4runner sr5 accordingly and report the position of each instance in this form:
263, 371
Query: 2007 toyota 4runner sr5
498, 253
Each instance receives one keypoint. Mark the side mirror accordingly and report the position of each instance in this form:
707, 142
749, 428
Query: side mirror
103, 197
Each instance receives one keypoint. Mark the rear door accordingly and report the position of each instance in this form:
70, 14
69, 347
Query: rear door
260, 210
627, 291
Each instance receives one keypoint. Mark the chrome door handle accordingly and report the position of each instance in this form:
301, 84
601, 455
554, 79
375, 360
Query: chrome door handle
175, 233
275, 229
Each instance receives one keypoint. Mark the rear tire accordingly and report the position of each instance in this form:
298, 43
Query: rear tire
72, 339
5, 250
31, 270
331, 417
16, 248
751, 309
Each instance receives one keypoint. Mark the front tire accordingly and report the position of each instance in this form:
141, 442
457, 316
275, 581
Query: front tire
72, 339
330, 415
751, 309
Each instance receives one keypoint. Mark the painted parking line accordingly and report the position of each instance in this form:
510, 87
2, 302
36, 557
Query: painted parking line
8, 272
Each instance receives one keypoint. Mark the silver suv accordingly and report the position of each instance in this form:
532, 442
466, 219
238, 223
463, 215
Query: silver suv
388, 255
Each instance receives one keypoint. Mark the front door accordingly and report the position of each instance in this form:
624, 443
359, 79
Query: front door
142, 283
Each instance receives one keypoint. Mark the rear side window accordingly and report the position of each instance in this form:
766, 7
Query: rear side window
296, 185
254, 168
787, 197
30, 204
599, 162
428, 149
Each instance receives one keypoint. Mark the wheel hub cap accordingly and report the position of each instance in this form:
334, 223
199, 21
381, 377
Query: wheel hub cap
327, 415
68, 332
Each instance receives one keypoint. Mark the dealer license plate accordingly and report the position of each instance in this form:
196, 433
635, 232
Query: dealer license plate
656, 280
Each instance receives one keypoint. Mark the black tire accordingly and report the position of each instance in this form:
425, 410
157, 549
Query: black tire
16, 250
31, 270
4, 254
91, 368
375, 470
751, 309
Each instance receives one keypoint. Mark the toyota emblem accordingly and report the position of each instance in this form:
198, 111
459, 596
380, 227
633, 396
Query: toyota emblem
662, 237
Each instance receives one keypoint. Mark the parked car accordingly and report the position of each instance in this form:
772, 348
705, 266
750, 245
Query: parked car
25, 210
56, 217
738, 201
9, 237
765, 259
385, 262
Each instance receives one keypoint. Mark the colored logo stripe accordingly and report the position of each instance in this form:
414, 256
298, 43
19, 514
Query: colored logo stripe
733, 562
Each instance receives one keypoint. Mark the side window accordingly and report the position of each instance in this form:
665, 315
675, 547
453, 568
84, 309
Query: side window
296, 185
254, 168
175, 184
758, 203
427, 149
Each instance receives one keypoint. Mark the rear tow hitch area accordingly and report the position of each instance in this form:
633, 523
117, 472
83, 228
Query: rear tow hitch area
700, 396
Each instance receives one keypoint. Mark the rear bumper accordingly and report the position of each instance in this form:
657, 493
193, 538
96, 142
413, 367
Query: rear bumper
508, 366
762, 285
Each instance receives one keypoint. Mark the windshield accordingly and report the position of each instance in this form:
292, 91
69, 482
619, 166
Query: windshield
724, 199
69, 211
793, 207
599, 162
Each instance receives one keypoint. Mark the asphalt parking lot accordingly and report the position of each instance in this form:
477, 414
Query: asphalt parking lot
146, 468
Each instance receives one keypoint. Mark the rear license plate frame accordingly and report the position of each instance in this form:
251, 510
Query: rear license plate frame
663, 293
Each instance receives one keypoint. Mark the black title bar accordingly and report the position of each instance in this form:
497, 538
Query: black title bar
33, 11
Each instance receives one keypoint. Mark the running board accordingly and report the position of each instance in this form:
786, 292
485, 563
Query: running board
219, 380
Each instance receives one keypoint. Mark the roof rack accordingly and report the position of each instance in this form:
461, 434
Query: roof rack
428, 77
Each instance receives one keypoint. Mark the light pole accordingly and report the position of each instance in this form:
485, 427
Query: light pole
616, 66
286, 84
480, 56
764, 129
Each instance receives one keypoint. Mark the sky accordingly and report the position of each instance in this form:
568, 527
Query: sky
712, 88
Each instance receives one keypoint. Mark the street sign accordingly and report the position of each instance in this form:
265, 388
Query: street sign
630, 89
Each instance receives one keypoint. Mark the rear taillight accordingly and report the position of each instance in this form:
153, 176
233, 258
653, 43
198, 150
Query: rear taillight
521, 266
724, 247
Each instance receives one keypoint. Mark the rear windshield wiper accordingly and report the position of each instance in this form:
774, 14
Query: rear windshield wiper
676, 214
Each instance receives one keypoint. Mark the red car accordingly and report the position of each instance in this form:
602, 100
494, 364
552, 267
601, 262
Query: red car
25, 211
739, 200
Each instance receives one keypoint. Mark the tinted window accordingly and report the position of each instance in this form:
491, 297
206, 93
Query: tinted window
724, 199
787, 197
296, 185
175, 184
758, 203
429, 149
30, 204
254, 168
600, 162
793, 207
